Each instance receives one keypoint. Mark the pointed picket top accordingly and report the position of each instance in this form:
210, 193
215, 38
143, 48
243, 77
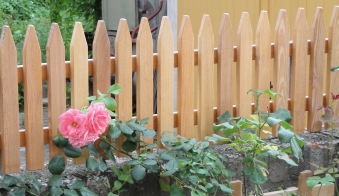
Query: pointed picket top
206, 77
281, 60
244, 67
79, 67
31, 42
316, 71
56, 71
144, 51
165, 78
123, 52
225, 63
264, 68
298, 71
10, 157
333, 56
55, 36
33, 100
101, 59
186, 79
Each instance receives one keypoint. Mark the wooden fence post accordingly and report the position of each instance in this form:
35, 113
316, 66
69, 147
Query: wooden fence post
186, 79
9, 107
56, 71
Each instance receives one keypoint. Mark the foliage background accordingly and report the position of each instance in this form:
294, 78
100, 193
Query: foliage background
18, 14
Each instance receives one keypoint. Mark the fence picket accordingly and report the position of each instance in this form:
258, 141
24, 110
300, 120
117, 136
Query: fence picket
101, 59
263, 67
206, 77
298, 72
316, 71
244, 65
225, 84
56, 71
333, 57
236, 186
281, 61
165, 78
79, 67
186, 79
33, 100
10, 138
144, 51
79, 73
123, 71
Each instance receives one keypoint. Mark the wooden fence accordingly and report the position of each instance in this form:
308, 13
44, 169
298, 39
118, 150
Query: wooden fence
297, 63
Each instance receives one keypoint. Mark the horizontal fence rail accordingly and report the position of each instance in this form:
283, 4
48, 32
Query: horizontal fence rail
211, 79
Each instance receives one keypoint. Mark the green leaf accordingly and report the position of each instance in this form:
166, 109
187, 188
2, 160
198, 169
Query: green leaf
335, 68
60, 141
78, 184
147, 133
72, 152
56, 191
114, 89
86, 192
55, 181
102, 164
129, 146
92, 164
91, 98
110, 103
281, 114
125, 129
11, 180
92, 149
287, 159
285, 135
56, 165
117, 186
68, 192
297, 152
149, 162
114, 132
225, 189
312, 181
176, 190
17, 192
138, 172
224, 117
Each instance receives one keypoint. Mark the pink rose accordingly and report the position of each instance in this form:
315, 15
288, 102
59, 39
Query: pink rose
97, 119
80, 128
72, 123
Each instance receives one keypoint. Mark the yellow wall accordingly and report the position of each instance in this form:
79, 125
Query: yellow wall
215, 8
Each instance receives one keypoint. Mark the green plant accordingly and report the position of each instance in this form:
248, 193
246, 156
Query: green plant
329, 174
183, 165
20, 185
243, 135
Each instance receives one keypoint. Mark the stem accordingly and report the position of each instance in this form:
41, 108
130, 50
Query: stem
115, 148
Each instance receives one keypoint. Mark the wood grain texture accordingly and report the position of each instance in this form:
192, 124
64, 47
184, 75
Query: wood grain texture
145, 95
303, 189
9, 107
244, 65
206, 77
316, 76
165, 78
281, 61
33, 100
225, 84
186, 79
56, 71
101, 59
79, 67
298, 72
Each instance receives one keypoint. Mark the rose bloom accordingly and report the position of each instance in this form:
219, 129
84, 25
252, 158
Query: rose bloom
97, 119
80, 128
72, 126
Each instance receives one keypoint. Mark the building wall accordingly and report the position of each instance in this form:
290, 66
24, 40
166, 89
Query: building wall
215, 8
